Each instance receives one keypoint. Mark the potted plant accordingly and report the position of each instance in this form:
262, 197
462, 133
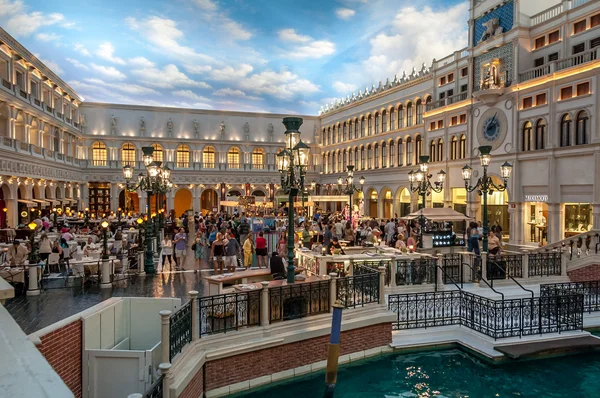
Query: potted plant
218, 320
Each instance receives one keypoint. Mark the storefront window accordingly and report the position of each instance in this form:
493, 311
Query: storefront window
536, 214
437, 199
404, 203
498, 210
578, 218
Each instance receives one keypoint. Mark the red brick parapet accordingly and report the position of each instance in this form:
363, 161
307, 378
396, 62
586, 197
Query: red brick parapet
585, 274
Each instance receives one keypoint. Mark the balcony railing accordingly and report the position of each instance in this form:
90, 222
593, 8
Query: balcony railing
100, 163
59, 115
561, 64
68, 120
233, 165
446, 101
182, 165
49, 108
555, 11
206, 165
6, 84
23, 94
37, 102
456, 98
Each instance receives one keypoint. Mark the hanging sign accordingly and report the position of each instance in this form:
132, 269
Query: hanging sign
536, 198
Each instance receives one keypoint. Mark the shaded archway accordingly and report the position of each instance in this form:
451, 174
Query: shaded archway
371, 202
388, 203
403, 201
130, 203
209, 201
182, 201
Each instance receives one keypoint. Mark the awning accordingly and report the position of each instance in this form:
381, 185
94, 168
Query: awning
54, 202
438, 214
65, 201
42, 202
329, 198
29, 203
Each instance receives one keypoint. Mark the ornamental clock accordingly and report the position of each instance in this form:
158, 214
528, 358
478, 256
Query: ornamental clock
492, 128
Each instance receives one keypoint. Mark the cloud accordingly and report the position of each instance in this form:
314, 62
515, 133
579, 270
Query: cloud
344, 13
108, 71
219, 19
291, 36
168, 77
52, 65
197, 105
197, 69
106, 51
229, 92
207, 5
230, 74
81, 49
46, 37
140, 62
343, 87
23, 23
77, 64
124, 87
164, 34
190, 95
306, 47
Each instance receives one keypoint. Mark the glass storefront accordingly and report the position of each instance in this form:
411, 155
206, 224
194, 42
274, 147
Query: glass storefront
578, 218
536, 216
497, 205
437, 199
404, 203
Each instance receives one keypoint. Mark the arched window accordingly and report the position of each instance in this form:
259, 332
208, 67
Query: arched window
440, 150
329, 136
324, 138
384, 124
376, 157
363, 126
565, 130
392, 118
409, 151
333, 135
409, 114
258, 159
419, 109
208, 157
128, 154
345, 161
339, 159
362, 158
182, 157
581, 128
369, 157
432, 155
356, 159
370, 124
333, 163
377, 123
418, 147
400, 116
345, 134
540, 134
527, 135
158, 153
233, 158
400, 152
392, 153
356, 128
324, 164
384, 155
99, 154
339, 133
454, 148
463, 146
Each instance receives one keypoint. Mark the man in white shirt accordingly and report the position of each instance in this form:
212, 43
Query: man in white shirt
390, 229
339, 229
16, 254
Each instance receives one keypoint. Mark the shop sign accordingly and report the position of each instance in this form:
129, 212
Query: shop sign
536, 198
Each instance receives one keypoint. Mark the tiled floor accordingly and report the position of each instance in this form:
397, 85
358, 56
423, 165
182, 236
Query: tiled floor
36, 312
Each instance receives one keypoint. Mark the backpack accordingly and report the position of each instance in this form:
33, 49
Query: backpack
212, 237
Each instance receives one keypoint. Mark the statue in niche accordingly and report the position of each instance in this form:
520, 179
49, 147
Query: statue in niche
492, 28
170, 127
490, 76
82, 120
247, 131
222, 128
142, 124
196, 127
113, 124
270, 132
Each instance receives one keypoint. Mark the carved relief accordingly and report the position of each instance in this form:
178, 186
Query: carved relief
247, 131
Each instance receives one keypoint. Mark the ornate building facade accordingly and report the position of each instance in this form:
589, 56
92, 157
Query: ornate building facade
526, 84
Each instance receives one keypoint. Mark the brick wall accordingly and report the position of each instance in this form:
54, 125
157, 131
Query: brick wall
235, 369
584, 274
195, 388
63, 350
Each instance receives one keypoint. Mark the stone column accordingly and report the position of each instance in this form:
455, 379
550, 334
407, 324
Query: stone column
105, 283
525, 260
516, 228
555, 222
332, 289
165, 336
483, 265
165, 370
596, 215
264, 304
141, 270
194, 298
33, 289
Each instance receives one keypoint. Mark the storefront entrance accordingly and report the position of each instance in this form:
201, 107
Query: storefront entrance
536, 214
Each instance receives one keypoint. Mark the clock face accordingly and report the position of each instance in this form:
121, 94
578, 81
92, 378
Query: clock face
492, 128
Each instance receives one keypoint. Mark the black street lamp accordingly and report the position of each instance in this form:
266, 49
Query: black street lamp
157, 181
485, 185
292, 163
347, 187
420, 183
104, 226
33, 256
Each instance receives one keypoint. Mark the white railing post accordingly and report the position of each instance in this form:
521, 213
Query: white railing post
105, 283
264, 304
195, 319
33, 288
393, 269
141, 270
525, 261
563, 263
165, 369
484, 265
381, 284
165, 338
439, 280
332, 289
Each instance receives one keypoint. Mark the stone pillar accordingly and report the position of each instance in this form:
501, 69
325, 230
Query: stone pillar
165, 337
196, 192
564, 258
381, 285
105, 283
483, 265
596, 215
516, 228
439, 278
165, 368
33, 289
171, 201
332, 289
264, 304
141, 270
555, 222
194, 298
114, 197
525, 260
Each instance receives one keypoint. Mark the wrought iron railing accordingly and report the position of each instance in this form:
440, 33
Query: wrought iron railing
360, 289
545, 264
6, 84
452, 264
299, 300
495, 318
180, 329
156, 390
590, 291
415, 271
502, 267
373, 265
227, 312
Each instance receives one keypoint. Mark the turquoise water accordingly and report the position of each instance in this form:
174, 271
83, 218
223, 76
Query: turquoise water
451, 374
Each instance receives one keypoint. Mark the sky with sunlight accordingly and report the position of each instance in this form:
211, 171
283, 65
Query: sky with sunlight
280, 56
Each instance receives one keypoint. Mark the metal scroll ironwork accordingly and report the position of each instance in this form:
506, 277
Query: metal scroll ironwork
180, 329
360, 289
299, 300
227, 312
544, 264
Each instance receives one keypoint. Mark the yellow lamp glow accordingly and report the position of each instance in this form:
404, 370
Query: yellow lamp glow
5, 209
32, 226
104, 224
140, 221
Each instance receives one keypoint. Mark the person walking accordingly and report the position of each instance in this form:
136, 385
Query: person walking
180, 242
243, 230
45, 247
167, 252
261, 250
248, 251
232, 251
200, 250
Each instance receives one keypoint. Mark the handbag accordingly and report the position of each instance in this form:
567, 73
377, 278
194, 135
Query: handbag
194, 247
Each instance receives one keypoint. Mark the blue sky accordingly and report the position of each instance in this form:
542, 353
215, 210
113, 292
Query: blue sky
282, 56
